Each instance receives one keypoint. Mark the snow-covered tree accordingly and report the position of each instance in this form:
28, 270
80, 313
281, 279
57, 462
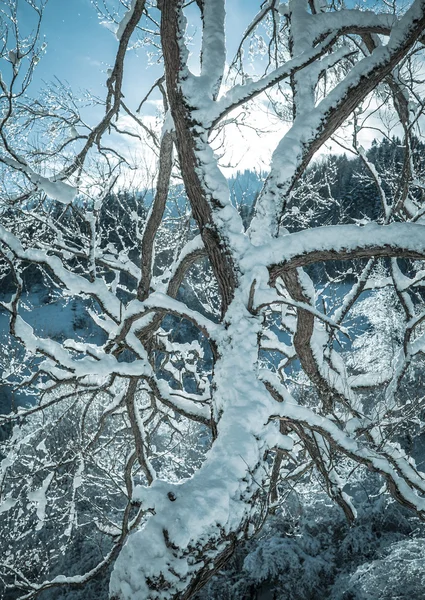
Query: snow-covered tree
167, 370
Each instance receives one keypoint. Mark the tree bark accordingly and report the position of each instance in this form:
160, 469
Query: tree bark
186, 137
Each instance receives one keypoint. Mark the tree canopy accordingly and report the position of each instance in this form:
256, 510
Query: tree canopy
208, 368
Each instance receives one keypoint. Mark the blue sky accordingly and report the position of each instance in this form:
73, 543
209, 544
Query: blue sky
80, 49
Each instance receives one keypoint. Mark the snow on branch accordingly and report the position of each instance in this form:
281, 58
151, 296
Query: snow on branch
407, 480
351, 20
342, 242
241, 93
213, 52
75, 284
57, 190
312, 127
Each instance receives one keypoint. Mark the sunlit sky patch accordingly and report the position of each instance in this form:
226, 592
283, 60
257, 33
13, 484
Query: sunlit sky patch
81, 48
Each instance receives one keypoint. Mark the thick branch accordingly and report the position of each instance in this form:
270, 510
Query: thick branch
347, 242
220, 259
155, 214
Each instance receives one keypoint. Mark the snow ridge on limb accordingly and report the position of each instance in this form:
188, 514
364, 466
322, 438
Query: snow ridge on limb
340, 242
206, 187
162, 303
198, 520
241, 93
125, 20
351, 20
325, 37
213, 51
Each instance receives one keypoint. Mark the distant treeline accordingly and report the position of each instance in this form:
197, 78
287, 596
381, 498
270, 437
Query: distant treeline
336, 189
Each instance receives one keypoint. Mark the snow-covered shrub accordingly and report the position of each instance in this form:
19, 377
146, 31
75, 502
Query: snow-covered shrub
396, 574
309, 552
377, 347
